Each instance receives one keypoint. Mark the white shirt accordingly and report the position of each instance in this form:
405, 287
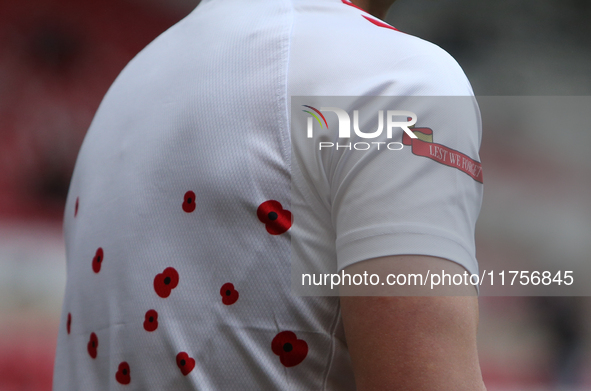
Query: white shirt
178, 222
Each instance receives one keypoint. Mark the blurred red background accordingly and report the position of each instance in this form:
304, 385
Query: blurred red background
57, 60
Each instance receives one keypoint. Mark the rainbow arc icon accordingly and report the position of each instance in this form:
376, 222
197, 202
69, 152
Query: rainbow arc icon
316, 116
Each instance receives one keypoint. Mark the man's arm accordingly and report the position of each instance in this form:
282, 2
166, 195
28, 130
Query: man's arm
412, 343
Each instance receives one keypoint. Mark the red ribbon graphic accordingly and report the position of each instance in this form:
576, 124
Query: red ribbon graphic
424, 146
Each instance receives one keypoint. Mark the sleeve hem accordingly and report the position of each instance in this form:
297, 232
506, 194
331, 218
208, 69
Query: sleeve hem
405, 243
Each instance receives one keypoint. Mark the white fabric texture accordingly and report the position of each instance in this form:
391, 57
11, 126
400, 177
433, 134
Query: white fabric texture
178, 221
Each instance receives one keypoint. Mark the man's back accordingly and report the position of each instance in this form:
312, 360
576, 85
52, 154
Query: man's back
179, 213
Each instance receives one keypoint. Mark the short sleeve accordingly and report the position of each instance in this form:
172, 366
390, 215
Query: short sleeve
412, 195
392, 194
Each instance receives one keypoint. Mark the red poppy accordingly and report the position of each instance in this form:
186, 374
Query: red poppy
189, 202
151, 321
166, 281
276, 219
185, 363
76, 207
69, 323
229, 294
289, 348
92, 345
97, 261
123, 373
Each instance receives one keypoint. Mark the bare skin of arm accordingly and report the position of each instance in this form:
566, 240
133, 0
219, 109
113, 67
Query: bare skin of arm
377, 8
414, 342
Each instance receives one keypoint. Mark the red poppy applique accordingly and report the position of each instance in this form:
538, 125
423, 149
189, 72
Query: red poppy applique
151, 320
69, 322
76, 207
92, 345
189, 202
229, 294
122, 375
166, 281
276, 219
289, 348
185, 363
97, 261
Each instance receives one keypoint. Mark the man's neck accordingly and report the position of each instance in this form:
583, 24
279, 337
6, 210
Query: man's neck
377, 8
